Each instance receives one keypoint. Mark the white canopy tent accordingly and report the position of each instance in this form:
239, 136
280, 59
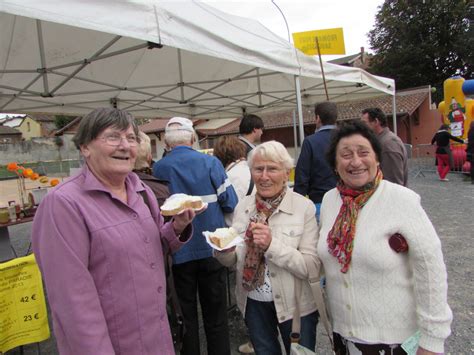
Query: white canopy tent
158, 58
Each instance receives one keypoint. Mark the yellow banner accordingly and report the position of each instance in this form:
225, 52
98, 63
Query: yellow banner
23, 315
331, 41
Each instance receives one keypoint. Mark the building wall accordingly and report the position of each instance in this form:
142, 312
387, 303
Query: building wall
30, 128
38, 149
157, 145
429, 122
10, 138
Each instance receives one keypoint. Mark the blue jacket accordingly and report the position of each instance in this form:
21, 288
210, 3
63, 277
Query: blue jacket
198, 174
313, 175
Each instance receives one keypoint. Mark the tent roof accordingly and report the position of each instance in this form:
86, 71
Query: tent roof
157, 58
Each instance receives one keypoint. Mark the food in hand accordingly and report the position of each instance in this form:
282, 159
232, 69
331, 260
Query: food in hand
223, 236
173, 206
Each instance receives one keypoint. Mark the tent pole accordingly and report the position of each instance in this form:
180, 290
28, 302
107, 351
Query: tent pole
394, 111
322, 69
298, 106
295, 137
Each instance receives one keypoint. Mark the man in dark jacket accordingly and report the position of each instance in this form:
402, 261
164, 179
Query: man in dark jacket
313, 176
250, 131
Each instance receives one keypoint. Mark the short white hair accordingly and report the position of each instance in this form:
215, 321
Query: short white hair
143, 151
174, 136
273, 151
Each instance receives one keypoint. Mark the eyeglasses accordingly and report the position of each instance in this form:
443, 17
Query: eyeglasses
115, 139
271, 170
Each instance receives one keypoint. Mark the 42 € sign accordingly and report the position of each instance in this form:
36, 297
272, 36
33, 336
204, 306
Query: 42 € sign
23, 315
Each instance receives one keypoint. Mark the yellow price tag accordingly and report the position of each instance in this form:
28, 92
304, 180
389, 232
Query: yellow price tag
23, 315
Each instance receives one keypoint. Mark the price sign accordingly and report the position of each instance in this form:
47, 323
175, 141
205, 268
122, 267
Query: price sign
23, 316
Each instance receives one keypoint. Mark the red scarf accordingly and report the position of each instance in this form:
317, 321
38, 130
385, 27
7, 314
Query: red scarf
341, 237
254, 265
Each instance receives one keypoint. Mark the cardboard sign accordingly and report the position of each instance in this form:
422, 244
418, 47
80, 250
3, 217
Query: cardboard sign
331, 41
23, 315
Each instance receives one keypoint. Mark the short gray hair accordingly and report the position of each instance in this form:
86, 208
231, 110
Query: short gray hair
174, 136
143, 151
273, 151
94, 123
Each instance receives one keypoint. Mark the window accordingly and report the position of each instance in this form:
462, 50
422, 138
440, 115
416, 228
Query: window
153, 148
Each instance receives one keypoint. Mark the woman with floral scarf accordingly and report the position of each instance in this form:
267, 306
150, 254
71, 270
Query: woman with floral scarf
386, 280
280, 232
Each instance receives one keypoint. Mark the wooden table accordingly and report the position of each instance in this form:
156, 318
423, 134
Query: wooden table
7, 252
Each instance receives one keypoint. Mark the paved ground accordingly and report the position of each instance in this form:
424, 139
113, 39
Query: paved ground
450, 206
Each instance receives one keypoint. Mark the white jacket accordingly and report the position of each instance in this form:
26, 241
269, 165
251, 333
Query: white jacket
294, 233
385, 297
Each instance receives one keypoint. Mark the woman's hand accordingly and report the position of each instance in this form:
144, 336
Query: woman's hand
181, 220
422, 351
262, 235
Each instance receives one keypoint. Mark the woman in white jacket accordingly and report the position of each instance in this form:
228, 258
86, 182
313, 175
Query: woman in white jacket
280, 231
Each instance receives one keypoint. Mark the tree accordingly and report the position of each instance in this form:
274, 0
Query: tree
62, 120
422, 42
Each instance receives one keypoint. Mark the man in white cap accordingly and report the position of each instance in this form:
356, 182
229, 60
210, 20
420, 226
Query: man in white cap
194, 269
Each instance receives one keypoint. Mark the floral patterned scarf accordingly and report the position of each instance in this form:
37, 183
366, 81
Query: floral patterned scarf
254, 265
341, 237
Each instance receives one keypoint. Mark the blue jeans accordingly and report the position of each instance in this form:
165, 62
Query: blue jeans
318, 211
262, 323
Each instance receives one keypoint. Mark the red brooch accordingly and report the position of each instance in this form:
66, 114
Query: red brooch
398, 243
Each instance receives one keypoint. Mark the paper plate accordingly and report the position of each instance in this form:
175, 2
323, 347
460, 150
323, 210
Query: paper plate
237, 240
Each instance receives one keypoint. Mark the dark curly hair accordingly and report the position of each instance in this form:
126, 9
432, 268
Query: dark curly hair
347, 129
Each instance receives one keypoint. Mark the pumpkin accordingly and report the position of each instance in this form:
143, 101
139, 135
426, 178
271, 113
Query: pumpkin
27, 172
54, 182
12, 166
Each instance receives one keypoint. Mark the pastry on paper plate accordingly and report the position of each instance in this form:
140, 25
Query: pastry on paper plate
177, 203
222, 237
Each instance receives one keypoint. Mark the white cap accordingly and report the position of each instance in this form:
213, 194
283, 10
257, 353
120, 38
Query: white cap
186, 125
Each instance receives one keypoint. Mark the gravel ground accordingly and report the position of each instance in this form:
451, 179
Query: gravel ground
450, 206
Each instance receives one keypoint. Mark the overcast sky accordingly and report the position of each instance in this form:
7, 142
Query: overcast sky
355, 17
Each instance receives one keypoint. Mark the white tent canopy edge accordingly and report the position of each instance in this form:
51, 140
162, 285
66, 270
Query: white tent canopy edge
157, 58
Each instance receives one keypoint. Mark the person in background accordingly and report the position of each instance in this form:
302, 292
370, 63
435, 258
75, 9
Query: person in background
470, 149
251, 130
99, 247
232, 152
385, 274
280, 231
444, 156
194, 269
313, 176
144, 172
394, 162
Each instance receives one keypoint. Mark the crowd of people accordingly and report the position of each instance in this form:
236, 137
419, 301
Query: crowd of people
101, 241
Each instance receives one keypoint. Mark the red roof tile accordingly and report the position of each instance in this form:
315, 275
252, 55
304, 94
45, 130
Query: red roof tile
407, 102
